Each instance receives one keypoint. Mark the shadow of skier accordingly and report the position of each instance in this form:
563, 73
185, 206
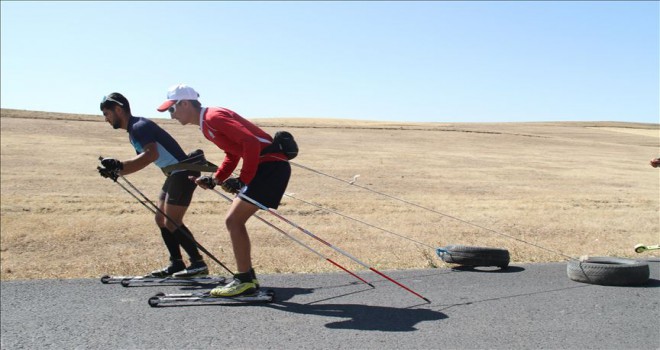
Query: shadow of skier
356, 316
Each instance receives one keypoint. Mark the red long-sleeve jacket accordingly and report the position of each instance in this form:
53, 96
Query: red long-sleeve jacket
239, 138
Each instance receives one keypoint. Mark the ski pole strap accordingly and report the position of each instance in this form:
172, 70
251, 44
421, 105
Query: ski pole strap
209, 167
195, 162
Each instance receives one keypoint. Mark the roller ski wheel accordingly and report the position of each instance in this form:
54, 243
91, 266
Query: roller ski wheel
107, 279
153, 301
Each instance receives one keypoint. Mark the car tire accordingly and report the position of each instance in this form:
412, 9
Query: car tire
474, 256
608, 271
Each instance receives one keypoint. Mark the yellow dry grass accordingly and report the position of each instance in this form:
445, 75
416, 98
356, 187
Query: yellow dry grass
572, 188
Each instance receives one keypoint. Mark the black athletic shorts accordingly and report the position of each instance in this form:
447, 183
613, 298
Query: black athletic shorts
178, 189
269, 183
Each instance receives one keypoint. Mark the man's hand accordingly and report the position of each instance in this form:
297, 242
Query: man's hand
232, 185
112, 164
109, 174
205, 182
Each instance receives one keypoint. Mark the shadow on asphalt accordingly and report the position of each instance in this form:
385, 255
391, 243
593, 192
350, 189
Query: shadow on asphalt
356, 316
651, 283
510, 269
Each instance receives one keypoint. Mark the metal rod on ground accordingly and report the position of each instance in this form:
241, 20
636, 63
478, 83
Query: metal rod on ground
352, 183
188, 235
299, 242
273, 212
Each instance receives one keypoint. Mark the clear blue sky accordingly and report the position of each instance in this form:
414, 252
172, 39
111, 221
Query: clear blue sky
404, 61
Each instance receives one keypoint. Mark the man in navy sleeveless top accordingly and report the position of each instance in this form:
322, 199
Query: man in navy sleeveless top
154, 145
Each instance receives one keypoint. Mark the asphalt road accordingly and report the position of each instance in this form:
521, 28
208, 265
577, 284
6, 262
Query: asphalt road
531, 306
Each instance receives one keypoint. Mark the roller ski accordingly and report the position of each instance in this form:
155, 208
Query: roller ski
137, 281
640, 248
205, 298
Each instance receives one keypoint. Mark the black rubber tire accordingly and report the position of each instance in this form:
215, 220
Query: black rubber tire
105, 279
153, 301
474, 256
608, 271
125, 283
271, 294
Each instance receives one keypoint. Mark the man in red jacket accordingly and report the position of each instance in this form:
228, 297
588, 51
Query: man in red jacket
263, 177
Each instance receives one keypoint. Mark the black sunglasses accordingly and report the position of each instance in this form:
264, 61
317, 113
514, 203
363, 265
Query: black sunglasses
172, 108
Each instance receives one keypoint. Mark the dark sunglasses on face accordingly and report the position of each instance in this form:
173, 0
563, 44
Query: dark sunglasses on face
172, 108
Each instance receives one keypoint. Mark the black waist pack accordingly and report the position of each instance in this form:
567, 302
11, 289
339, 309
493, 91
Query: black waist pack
282, 142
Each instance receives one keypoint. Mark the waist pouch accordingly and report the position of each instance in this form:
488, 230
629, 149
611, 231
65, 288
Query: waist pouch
283, 142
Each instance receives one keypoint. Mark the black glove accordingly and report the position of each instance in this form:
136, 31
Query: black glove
112, 164
232, 185
208, 181
107, 173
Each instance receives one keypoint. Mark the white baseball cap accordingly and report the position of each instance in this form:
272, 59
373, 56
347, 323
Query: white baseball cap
178, 93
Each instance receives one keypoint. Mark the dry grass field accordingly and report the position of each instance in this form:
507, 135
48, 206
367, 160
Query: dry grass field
571, 188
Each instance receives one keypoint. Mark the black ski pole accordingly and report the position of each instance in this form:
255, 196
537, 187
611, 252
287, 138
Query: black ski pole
178, 227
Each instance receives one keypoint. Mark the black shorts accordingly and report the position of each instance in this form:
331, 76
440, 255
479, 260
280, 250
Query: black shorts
178, 189
269, 183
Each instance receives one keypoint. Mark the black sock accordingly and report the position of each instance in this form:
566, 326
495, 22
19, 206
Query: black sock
172, 244
177, 265
188, 245
244, 276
